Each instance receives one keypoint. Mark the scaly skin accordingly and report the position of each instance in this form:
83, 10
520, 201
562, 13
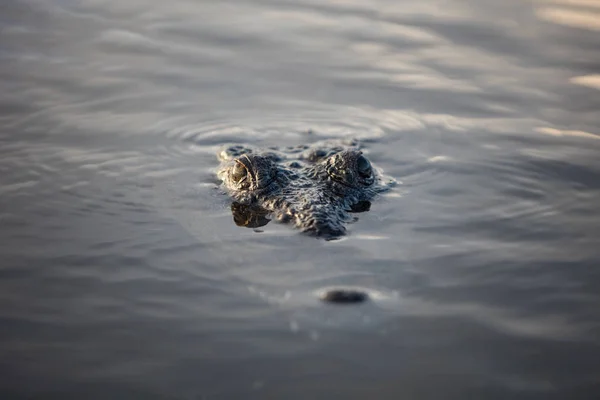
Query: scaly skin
313, 187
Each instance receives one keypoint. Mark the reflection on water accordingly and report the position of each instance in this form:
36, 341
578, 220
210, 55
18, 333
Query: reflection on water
254, 216
592, 81
250, 216
584, 14
559, 132
122, 275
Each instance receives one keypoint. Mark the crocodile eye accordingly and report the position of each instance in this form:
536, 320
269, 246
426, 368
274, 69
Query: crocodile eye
364, 166
238, 172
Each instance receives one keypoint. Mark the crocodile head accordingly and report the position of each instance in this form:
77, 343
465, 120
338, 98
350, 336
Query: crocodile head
313, 187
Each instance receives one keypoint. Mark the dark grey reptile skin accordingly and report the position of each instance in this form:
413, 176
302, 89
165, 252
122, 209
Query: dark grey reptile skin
314, 187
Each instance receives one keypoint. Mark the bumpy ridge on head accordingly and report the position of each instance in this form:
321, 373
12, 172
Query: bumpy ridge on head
314, 187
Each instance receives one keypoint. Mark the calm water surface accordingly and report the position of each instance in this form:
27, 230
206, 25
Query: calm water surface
123, 276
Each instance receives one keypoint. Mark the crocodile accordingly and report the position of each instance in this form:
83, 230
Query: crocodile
314, 187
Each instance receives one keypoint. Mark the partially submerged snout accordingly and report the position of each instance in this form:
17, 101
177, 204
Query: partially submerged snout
316, 194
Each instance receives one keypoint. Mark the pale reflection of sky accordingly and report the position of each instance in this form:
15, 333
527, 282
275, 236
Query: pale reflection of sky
592, 81
582, 3
583, 14
143, 65
563, 132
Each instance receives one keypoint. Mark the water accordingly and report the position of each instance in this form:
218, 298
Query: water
123, 275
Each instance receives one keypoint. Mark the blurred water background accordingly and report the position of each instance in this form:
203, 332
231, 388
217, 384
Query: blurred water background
123, 276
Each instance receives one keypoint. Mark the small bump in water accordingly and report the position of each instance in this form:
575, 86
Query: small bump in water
344, 296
